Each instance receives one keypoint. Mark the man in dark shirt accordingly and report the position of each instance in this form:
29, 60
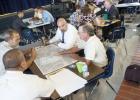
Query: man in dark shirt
18, 24
21, 27
111, 9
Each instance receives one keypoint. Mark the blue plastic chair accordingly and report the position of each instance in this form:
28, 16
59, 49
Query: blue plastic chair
117, 34
108, 69
27, 35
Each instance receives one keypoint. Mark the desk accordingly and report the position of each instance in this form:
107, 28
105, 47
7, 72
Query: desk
105, 23
128, 5
94, 71
107, 27
33, 25
48, 61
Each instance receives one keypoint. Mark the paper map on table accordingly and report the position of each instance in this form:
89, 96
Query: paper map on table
48, 62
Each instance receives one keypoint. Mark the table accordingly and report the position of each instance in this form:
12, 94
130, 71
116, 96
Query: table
128, 5
68, 58
36, 24
105, 23
48, 61
106, 26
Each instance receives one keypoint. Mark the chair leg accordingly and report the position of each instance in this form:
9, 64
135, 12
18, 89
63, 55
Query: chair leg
93, 90
71, 96
85, 93
125, 46
111, 87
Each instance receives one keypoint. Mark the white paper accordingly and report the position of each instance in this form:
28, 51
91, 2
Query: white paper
48, 62
66, 82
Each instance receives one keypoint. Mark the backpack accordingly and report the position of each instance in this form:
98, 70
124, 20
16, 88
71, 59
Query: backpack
133, 73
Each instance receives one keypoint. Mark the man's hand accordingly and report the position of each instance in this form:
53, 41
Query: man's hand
33, 54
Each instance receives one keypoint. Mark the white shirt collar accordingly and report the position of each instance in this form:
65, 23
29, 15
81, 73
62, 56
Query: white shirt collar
6, 44
92, 38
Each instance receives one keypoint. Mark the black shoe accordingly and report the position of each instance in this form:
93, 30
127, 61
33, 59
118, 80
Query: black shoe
138, 25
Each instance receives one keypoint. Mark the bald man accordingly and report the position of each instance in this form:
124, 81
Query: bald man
11, 40
15, 85
66, 35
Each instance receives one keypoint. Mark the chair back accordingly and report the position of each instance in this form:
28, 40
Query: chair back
28, 35
122, 20
109, 68
117, 33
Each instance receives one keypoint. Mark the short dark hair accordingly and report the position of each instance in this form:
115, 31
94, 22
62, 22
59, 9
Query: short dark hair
42, 8
86, 10
20, 11
77, 7
8, 34
88, 28
13, 58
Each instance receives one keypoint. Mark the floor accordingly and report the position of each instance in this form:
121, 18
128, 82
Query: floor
129, 91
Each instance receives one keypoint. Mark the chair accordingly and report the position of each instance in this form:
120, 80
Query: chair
116, 35
108, 69
27, 35
122, 20
52, 30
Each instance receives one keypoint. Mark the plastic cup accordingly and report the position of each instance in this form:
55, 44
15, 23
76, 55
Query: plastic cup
79, 66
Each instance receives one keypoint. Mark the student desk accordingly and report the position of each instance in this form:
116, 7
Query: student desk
93, 70
107, 26
128, 5
33, 24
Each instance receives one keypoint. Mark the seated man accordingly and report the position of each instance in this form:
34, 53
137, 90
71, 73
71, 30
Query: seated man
18, 24
66, 34
45, 15
18, 86
22, 28
11, 40
94, 50
113, 12
36, 14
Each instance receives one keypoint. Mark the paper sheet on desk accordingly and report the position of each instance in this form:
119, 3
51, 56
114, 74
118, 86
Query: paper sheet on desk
66, 82
47, 62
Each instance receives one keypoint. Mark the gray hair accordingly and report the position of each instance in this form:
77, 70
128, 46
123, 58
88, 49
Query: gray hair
7, 35
88, 28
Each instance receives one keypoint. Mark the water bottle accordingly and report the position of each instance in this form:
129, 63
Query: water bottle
85, 70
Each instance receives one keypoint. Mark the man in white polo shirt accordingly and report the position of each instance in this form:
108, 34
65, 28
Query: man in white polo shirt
94, 50
66, 35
